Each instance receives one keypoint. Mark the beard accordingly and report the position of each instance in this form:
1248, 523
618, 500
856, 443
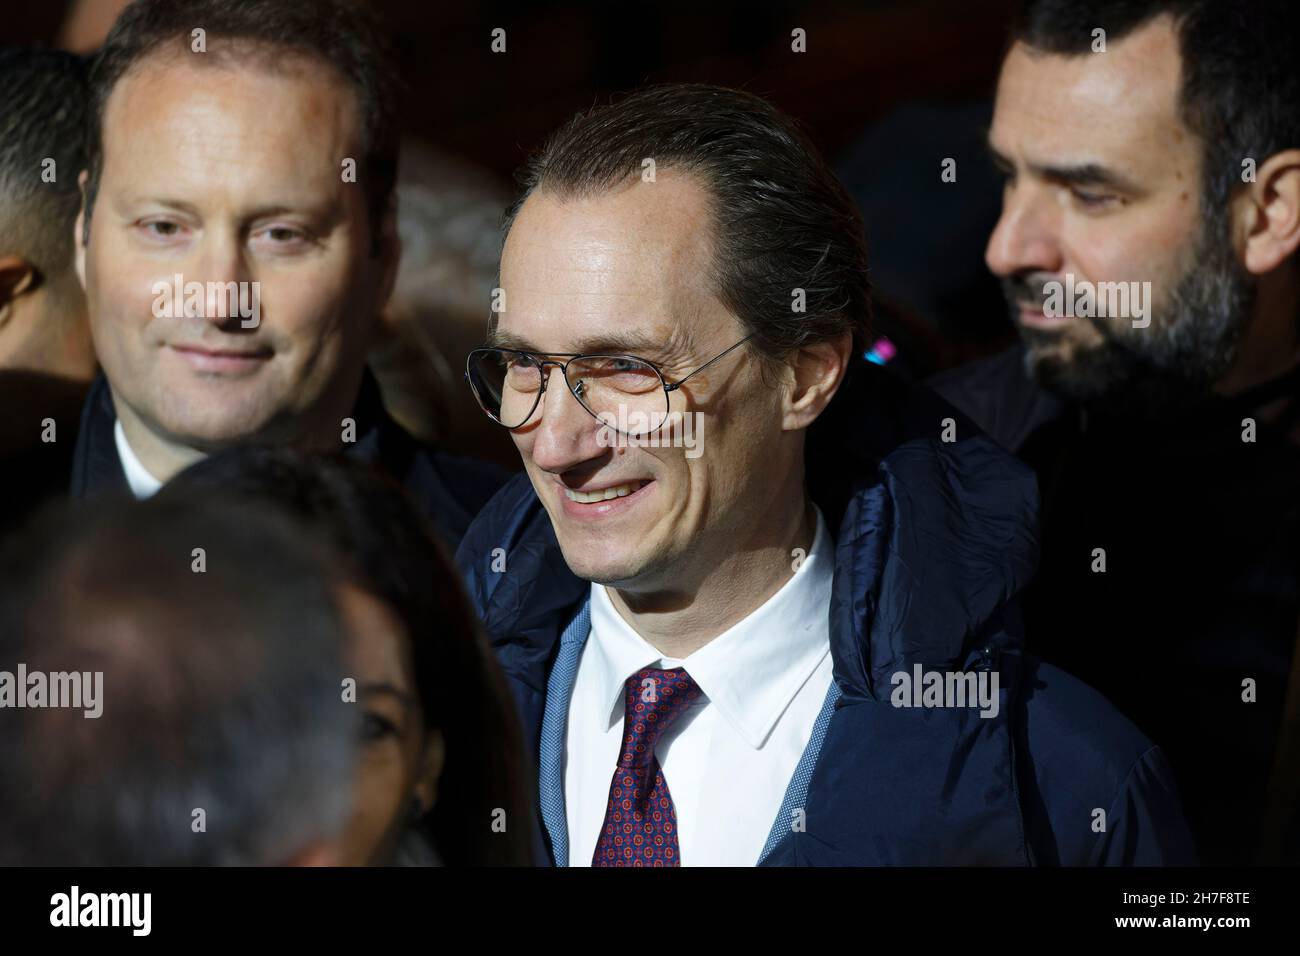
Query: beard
1171, 365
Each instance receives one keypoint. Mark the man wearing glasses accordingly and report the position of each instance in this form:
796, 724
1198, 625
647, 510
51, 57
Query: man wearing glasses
799, 646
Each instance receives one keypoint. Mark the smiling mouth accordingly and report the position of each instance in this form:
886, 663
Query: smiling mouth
222, 353
222, 362
604, 494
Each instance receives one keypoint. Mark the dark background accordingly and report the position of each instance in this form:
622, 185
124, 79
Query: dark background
886, 90
862, 59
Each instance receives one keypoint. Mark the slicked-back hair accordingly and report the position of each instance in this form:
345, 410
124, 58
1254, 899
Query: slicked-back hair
42, 117
1240, 71
337, 34
781, 221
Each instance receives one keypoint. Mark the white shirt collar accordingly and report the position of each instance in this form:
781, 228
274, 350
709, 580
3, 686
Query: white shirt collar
143, 484
752, 671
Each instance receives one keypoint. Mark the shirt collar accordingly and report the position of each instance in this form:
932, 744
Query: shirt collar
752, 671
143, 484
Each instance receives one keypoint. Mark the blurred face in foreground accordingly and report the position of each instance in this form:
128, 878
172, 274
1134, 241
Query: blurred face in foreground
400, 759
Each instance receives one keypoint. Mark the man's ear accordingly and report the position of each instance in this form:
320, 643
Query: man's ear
818, 369
79, 236
17, 277
1272, 212
431, 763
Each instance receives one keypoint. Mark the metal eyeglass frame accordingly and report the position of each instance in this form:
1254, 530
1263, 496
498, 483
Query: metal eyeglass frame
543, 362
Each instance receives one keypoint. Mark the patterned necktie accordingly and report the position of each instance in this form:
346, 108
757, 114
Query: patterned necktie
640, 819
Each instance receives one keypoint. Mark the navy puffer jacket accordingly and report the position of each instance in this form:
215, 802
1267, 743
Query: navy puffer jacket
934, 541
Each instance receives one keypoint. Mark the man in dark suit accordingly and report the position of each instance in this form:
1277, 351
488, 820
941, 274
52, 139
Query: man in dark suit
237, 242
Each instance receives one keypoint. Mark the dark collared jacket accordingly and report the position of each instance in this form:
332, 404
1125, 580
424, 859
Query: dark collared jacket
450, 490
1200, 528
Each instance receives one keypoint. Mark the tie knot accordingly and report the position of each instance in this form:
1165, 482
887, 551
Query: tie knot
655, 698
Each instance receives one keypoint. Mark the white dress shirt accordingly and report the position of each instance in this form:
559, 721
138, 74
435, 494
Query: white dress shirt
143, 484
729, 759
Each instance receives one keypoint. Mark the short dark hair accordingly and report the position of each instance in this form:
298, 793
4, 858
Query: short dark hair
221, 688
781, 219
42, 116
1240, 70
342, 34
391, 552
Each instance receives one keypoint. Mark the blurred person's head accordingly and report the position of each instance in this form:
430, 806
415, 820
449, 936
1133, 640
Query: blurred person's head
221, 737
672, 225
1171, 156
42, 127
247, 146
449, 223
440, 747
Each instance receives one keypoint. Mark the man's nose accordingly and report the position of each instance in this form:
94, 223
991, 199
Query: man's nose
1025, 238
566, 436
224, 272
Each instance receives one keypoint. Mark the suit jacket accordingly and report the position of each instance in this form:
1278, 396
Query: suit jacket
450, 490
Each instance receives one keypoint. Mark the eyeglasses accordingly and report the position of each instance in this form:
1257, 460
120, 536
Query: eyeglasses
624, 392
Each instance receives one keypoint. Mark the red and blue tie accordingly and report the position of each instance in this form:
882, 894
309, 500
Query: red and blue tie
640, 819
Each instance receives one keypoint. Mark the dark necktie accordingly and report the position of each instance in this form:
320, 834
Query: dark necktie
640, 819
